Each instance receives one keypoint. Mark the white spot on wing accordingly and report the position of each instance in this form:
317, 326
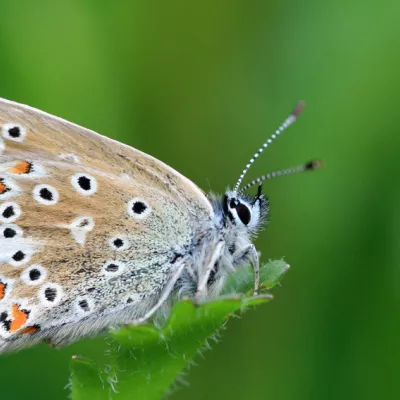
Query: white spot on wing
17, 251
15, 132
113, 268
10, 231
84, 184
9, 212
119, 243
45, 194
20, 257
37, 171
84, 305
79, 228
34, 275
138, 208
50, 294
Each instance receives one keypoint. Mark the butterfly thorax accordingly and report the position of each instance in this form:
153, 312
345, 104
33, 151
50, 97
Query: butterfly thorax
235, 223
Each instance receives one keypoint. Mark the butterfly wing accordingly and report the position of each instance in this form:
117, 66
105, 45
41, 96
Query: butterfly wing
90, 228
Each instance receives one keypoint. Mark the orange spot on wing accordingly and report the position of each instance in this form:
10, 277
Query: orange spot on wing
2, 290
19, 317
3, 187
21, 167
29, 330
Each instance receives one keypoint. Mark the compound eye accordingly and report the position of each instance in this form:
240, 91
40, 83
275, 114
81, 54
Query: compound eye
243, 213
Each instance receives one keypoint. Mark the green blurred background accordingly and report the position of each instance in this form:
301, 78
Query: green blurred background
199, 85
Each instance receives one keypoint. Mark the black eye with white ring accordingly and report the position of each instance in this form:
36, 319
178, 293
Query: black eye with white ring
242, 211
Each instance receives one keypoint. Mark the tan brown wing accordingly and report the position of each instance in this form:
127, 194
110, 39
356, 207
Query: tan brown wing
89, 225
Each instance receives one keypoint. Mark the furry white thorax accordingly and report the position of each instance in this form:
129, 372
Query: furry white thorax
236, 236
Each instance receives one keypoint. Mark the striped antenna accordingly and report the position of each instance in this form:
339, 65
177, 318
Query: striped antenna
310, 166
288, 121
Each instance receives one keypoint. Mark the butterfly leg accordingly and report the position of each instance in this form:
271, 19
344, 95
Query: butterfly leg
249, 253
164, 296
202, 284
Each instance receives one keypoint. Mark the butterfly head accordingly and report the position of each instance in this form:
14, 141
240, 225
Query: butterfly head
246, 213
242, 215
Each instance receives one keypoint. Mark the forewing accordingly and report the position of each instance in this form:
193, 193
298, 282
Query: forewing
89, 225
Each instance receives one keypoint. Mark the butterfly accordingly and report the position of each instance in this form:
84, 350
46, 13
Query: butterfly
95, 233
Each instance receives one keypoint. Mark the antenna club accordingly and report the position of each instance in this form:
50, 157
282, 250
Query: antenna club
314, 164
298, 109
310, 166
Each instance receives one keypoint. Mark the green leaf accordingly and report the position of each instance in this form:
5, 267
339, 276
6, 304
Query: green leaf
87, 380
242, 281
144, 361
